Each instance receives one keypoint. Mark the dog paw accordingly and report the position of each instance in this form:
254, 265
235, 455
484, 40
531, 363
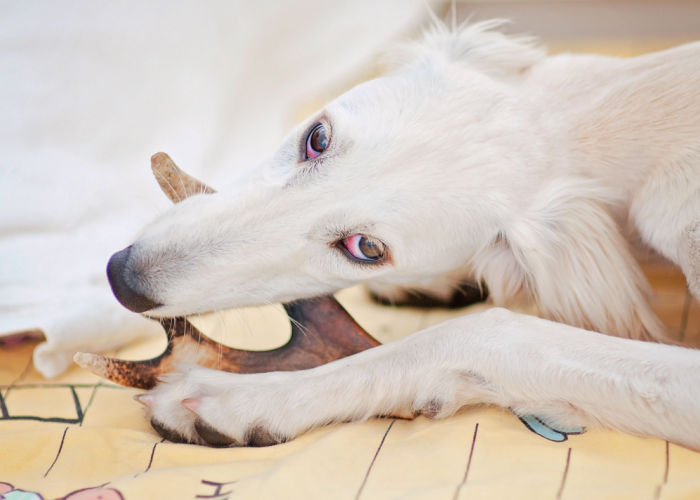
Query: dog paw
201, 406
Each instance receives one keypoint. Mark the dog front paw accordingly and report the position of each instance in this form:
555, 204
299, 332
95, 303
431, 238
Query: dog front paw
201, 406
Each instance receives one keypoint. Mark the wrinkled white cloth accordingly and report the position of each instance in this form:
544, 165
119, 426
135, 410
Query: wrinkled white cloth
90, 90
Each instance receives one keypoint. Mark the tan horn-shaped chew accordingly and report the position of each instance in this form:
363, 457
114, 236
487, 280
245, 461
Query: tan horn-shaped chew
176, 184
322, 330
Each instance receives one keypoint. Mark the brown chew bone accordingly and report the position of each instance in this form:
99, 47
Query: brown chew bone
322, 330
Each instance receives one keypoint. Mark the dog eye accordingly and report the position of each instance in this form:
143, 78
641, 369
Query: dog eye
364, 248
316, 141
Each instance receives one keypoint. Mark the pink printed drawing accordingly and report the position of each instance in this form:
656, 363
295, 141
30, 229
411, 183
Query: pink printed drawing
9, 492
99, 493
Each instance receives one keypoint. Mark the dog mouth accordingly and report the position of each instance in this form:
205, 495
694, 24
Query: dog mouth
322, 330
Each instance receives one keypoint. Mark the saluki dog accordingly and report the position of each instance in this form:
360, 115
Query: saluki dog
476, 159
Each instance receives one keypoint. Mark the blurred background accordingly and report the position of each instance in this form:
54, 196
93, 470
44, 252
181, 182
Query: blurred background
611, 27
617, 27
90, 90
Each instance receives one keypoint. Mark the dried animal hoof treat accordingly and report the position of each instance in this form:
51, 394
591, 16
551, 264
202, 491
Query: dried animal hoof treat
322, 330
176, 184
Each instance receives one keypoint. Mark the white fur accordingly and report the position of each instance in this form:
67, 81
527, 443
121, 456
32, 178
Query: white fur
478, 158
567, 376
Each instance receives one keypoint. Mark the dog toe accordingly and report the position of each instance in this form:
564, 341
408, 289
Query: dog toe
259, 436
168, 433
212, 436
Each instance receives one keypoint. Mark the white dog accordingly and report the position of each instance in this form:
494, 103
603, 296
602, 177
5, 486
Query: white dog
479, 159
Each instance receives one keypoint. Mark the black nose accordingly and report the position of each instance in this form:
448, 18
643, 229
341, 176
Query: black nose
121, 280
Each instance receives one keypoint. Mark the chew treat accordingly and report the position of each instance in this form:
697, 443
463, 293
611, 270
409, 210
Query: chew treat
176, 184
322, 330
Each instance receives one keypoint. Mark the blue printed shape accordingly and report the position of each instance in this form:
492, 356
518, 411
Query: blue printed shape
539, 426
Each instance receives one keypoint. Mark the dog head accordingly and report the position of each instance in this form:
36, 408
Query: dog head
444, 167
371, 187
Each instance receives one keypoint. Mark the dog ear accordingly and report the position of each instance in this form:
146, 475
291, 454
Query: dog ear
568, 254
478, 45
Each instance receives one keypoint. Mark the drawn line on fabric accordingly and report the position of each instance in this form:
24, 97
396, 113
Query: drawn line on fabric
564, 475
90, 400
58, 454
23, 374
469, 463
374, 458
657, 492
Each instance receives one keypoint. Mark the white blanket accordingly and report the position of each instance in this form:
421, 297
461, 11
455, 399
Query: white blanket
90, 90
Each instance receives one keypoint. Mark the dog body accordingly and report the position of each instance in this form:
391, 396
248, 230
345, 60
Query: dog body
478, 160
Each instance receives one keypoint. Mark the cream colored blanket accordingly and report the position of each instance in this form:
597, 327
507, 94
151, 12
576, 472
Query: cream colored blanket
79, 432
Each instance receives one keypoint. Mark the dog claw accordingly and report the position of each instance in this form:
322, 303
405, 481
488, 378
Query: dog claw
191, 404
144, 399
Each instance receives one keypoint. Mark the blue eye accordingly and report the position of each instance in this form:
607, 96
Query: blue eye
316, 141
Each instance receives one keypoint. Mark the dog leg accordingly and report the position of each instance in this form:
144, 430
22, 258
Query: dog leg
567, 251
566, 376
666, 211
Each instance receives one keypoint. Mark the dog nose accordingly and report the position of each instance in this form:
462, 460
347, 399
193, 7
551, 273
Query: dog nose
118, 276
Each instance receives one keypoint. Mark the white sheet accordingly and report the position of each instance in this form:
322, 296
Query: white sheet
89, 90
